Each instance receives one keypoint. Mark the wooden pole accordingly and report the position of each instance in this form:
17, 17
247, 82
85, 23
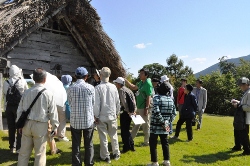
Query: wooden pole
1, 96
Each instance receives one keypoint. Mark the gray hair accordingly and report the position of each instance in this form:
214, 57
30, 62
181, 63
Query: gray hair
39, 74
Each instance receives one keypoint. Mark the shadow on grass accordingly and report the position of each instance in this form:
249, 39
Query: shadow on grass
5, 138
208, 158
6, 156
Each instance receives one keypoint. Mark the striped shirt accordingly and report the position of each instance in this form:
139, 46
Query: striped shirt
44, 108
81, 98
164, 112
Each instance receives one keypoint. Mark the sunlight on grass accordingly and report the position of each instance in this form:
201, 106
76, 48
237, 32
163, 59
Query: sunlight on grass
211, 146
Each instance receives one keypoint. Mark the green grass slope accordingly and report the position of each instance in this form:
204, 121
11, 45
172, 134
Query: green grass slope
211, 146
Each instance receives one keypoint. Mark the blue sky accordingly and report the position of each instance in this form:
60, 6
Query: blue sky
197, 31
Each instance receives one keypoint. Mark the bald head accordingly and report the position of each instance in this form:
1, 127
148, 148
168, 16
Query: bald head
39, 75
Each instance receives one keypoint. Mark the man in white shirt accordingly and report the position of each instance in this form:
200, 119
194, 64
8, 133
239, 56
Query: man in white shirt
106, 110
35, 130
16, 78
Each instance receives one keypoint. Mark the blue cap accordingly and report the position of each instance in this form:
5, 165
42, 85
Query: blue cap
66, 79
81, 71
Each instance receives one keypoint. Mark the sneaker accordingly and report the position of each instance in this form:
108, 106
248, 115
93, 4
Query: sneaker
18, 151
236, 149
65, 139
245, 153
174, 137
153, 164
144, 144
116, 156
166, 163
189, 140
13, 150
58, 151
107, 159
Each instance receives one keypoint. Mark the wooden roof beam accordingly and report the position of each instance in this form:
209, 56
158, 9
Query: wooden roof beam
79, 39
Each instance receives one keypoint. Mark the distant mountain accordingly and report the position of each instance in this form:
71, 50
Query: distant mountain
215, 67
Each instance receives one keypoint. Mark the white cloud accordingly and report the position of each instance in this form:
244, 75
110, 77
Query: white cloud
199, 60
183, 57
142, 45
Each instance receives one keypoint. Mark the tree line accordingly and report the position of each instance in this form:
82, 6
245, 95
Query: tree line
221, 85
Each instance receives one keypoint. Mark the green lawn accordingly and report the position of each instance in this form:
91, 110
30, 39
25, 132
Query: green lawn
211, 146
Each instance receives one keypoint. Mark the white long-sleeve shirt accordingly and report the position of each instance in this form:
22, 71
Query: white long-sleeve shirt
107, 102
44, 108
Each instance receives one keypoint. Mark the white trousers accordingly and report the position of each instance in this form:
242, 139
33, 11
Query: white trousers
62, 120
34, 135
145, 126
110, 128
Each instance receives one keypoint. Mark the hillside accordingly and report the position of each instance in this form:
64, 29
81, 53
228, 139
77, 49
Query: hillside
216, 66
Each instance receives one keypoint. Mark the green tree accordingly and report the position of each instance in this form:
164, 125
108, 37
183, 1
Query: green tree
243, 69
226, 66
221, 88
175, 67
156, 70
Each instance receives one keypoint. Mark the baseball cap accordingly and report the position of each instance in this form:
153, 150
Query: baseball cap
66, 79
164, 78
81, 71
243, 80
120, 80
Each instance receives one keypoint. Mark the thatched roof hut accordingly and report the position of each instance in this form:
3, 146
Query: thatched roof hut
58, 35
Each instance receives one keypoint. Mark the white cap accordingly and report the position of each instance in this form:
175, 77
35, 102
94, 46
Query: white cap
120, 80
164, 78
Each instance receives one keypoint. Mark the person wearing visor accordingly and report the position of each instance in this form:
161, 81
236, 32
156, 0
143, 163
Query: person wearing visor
128, 108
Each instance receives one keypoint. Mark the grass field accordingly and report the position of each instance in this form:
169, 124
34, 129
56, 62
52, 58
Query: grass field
211, 146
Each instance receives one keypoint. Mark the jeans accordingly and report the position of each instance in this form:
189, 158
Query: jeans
153, 146
125, 120
88, 146
188, 127
11, 118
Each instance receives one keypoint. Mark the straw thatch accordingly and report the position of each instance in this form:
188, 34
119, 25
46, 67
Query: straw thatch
19, 20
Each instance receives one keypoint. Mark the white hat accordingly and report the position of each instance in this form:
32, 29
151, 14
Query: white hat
164, 78
120, 80
105, 73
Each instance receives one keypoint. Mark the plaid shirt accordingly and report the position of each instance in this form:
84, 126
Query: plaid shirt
81, 98
164, 112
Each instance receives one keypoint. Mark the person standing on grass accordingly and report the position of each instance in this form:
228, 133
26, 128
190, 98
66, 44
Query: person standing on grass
143, 97
187, 113
163, 114
128, 105
15, 79
201, 97
35, 130
181, 95
242, 118
106, 110
66, 80
81, 98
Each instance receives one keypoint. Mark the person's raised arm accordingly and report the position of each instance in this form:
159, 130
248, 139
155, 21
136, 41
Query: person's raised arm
130, 85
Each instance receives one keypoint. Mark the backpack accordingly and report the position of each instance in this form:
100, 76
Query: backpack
13, 95
130, 103
239, 119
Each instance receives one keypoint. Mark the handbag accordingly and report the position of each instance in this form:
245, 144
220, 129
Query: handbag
22, 119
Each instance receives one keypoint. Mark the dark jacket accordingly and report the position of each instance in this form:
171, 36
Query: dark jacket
189, 107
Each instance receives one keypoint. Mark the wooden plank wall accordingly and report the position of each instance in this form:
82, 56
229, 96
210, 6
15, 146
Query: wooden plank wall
46, 49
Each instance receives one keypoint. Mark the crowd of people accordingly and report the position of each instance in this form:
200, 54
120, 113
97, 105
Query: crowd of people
99, 106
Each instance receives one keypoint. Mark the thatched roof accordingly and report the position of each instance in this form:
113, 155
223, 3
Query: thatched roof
20, 19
